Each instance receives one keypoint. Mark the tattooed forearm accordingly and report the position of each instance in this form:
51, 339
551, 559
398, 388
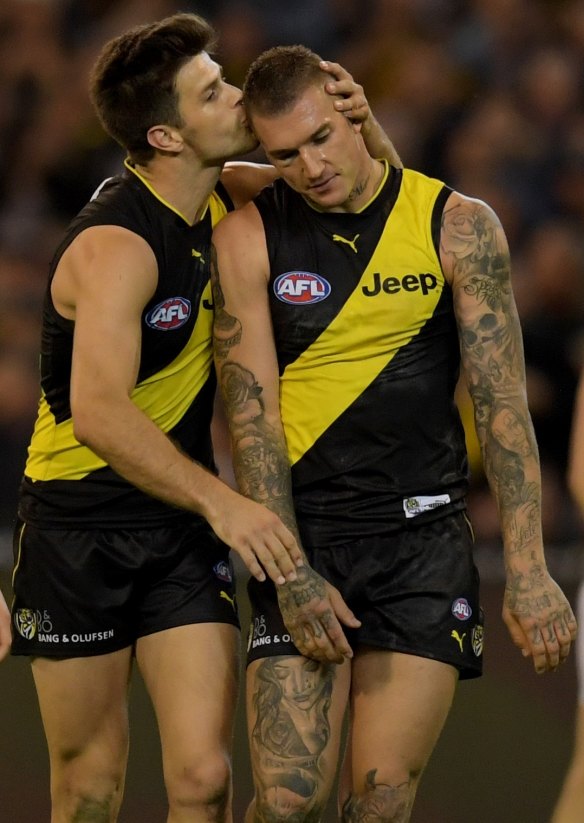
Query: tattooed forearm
226, 328
260, 458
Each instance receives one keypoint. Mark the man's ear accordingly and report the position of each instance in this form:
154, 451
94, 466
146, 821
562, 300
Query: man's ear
165, 138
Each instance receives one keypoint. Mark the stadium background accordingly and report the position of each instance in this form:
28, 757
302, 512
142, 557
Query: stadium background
485, 94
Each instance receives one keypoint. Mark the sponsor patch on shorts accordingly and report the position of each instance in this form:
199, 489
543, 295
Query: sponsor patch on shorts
413, 506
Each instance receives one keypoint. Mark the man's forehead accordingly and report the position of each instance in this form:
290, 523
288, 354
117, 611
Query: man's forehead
199, 71
311, 113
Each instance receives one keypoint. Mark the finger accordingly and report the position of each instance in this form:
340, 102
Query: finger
310, 645
518, 636
552, 645
335, 70
290, 544
253, 566
571, 623
276, 559
343, 612
336, 636
354, 103
320, 641
539, 651
565, 638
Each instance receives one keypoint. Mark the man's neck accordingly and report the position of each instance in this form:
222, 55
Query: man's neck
186, 188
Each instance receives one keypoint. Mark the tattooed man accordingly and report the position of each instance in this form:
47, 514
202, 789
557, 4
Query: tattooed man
124, 529
346, 296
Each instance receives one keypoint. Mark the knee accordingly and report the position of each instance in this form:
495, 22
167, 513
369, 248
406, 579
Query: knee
87, 788
389, 802
204, 785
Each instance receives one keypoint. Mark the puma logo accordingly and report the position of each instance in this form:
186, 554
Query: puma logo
198, 254
225, 596
459, 638
338, 238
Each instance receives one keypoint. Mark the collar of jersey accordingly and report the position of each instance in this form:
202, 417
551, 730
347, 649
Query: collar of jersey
134, 170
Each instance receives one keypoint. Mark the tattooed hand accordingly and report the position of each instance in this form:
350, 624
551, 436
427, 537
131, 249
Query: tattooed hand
539, 618
313, 611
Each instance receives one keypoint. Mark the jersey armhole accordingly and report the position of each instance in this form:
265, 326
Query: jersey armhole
436, 219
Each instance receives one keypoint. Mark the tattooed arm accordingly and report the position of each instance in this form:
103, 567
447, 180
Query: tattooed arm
475, 259
247, 370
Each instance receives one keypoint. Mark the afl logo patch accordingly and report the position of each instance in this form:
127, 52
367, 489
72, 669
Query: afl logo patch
461, 609
222, 571
169, 315
301, 288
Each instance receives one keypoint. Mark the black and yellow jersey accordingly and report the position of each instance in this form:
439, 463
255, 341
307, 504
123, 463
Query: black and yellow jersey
65, 482
369, 358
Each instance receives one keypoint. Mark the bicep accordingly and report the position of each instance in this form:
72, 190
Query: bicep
111, 274
476, 261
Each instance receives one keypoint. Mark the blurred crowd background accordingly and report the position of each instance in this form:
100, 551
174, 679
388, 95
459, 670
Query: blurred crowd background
485, 94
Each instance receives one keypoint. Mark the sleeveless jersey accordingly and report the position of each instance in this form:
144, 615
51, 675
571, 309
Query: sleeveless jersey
65, 482
369, 358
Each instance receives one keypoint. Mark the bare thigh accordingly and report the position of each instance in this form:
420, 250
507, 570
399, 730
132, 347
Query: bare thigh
192, 673
399, 704
295, 709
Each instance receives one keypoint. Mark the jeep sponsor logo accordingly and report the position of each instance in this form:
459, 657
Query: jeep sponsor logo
425, 283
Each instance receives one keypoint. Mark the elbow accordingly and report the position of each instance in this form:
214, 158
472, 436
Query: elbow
85, 417
82, 430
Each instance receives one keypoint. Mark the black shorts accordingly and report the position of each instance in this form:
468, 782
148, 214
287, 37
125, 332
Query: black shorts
415, 591
87, 592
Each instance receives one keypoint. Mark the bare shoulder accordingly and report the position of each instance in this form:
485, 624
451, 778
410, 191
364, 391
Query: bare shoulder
239, 225
104, 258
102, 243
472, 239
244, 181
240, 256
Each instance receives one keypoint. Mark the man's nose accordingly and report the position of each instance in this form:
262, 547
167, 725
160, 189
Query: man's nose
313, 164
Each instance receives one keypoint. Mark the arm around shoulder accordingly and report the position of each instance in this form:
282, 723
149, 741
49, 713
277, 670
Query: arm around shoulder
244, 181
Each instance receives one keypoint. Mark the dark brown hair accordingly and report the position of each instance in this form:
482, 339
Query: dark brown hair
132, 84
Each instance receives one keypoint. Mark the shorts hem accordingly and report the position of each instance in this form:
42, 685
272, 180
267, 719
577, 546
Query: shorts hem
61, 654
465, 669
234, 621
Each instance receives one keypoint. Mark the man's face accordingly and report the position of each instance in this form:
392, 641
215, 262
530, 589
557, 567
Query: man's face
215, 126
317, 151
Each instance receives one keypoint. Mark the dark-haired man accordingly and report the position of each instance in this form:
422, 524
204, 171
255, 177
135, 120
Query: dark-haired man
123, 544
346, 296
